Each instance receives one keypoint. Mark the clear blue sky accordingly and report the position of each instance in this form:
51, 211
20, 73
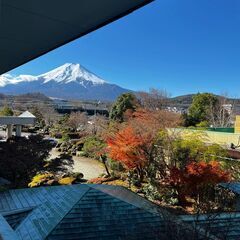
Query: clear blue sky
183, 46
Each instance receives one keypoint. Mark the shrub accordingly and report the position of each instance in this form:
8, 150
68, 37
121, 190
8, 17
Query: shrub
114, 165
6, 111
98, 180
65, 137
66, 180
93, 146
40, 179
22, 158
151, 192
203, 124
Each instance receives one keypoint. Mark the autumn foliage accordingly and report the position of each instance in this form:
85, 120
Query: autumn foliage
126, 146
142, 144
196, 176
134, 142
152, 121
98, 180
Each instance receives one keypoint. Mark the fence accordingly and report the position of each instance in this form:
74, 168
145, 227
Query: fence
222, 138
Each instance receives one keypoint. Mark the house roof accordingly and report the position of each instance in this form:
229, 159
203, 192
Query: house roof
233, 186
78, 212
30, 29
24, 118
92, 211
26, 114
221, 225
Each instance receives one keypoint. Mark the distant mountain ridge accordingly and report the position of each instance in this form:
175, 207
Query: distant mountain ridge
184, 102
183, 99
69, 81
188, 98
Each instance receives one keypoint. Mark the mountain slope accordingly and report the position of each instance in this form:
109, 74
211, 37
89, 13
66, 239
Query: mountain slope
70, 81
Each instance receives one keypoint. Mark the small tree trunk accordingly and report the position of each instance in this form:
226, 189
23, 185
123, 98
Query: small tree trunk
181, 198
106, 168
104, 159
140, 174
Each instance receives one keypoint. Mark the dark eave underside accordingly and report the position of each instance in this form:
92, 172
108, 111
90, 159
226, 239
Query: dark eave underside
29, 29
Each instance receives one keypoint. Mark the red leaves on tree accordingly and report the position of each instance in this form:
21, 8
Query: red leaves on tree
209, 173
159, 119
132, 145
126, 147
196, 176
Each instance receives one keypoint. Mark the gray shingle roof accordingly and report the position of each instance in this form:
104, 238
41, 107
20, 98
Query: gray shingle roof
102, 212
100, 216
233, 186
78, 212
222, 225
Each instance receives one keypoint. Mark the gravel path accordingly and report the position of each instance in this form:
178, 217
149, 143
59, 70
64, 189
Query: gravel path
90, 168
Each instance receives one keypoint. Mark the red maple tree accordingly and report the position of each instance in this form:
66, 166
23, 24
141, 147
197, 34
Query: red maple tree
126, 146
134, 142
196, 177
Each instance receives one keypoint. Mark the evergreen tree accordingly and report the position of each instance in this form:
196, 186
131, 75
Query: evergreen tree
126, 101
6, 111
199, 110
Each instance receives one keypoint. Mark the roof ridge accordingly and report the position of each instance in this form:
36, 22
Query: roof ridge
147, 206
53, 211
70, 209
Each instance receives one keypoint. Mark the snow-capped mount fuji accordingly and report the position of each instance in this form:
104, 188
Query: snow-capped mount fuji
69, 81
70, 72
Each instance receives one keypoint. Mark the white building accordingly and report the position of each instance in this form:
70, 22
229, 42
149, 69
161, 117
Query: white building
25, 118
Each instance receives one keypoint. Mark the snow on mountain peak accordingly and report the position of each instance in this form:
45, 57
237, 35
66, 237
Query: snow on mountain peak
69, 81
6, 79
70, 72
67, 73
